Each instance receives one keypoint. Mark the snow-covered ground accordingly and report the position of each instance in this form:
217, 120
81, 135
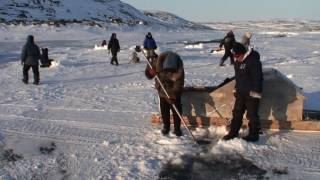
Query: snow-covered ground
98, 115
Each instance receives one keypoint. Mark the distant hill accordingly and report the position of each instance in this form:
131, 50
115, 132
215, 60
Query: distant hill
94, 11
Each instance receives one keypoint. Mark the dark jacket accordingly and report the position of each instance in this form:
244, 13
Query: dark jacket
149, 43
227, 41
173, 79
30, 54
248, 74
113, 44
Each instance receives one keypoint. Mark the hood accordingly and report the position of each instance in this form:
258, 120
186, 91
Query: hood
30, 39
171, 62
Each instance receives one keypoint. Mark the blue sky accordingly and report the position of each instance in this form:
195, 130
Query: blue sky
234, 10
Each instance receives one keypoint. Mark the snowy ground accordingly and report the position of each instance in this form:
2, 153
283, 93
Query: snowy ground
98, 115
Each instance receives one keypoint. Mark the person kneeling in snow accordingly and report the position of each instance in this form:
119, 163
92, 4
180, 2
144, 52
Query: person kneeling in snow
248, 89
134, 58
169, 69
45, 61
103, 43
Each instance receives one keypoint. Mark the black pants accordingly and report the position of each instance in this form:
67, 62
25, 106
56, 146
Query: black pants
242, 104
165, 113
35, 69
227, 53
114, 58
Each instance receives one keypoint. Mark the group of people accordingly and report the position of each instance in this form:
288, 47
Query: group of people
168, 70
149, 45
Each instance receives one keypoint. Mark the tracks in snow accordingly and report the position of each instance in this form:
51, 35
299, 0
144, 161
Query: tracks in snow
71, 125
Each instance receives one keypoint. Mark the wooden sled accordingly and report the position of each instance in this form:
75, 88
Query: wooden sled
281, 106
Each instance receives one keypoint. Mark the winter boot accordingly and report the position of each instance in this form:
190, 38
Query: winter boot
251, 137
165, 131
221, 62
178, 132
25, 81
229, 136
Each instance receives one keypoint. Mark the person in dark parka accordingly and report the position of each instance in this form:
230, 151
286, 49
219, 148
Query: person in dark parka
149, 45
227, 42
248, 89
114, 47
30, 57
169, 68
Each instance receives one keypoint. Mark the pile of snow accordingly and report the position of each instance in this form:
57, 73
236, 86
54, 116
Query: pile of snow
194, 46
97, 47
217, 51
279, 34
55, 64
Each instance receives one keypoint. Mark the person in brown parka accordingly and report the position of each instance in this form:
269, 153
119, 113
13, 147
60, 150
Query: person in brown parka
169, 68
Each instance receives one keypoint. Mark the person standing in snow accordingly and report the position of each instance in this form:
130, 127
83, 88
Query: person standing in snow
114, 47
227, 42
30, 57
248, 89
245, 39
150, 46
169, 68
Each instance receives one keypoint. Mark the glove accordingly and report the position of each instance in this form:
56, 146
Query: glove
152, 72
254, 94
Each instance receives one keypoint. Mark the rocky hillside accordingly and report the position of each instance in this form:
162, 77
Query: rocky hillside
98, 11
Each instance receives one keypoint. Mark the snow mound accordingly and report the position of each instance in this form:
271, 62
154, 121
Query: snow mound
217, 52
279, 34
55, 64
97, 47
194, 46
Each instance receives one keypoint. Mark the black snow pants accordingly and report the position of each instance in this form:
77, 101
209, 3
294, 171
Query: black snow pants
243, 103
165, 113
35, 69
114, 58
227, 53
